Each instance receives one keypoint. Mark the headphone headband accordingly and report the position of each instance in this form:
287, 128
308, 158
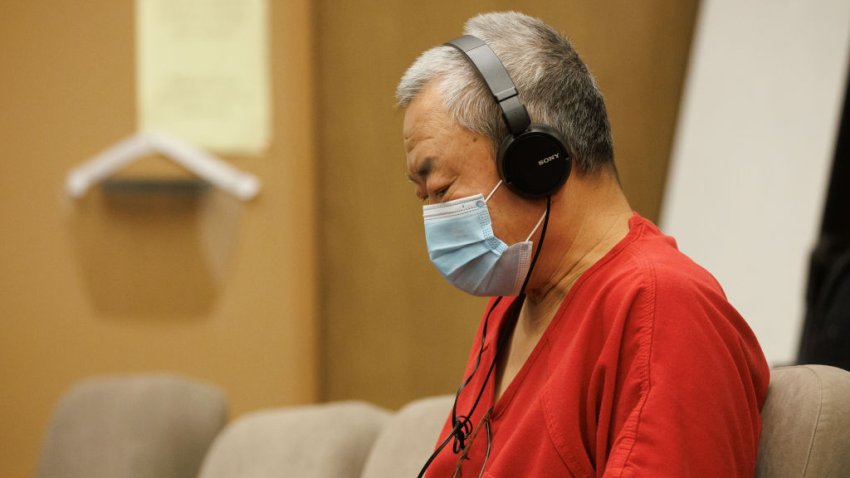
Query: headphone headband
532, 159
494, 74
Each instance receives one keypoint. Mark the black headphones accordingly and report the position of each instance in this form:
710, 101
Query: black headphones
533, 159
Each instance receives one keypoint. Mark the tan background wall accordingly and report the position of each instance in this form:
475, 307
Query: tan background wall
231, 293
392, 328
119, 283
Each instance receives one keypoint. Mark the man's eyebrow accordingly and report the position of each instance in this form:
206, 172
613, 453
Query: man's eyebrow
423, 170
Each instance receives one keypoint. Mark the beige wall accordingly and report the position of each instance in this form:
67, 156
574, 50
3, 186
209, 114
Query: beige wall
392, 328
779, 127
204, 286
90, 286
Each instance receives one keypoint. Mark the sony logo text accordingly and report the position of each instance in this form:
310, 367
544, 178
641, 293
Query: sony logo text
548, 159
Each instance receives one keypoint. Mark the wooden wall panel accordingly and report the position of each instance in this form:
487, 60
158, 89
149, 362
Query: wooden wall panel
392, 328
80, 290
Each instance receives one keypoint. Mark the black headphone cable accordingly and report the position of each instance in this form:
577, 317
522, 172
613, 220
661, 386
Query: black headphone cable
460, 424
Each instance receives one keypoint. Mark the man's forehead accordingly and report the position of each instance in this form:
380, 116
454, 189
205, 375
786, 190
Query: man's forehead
425, 116
419, 128
420, 155
412, 137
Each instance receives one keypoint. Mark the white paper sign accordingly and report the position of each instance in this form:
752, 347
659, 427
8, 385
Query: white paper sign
202, 72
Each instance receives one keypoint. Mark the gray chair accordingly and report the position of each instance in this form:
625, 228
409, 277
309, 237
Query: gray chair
408, 439
317, 441
805, 428
806, 424
805, 431
139, 426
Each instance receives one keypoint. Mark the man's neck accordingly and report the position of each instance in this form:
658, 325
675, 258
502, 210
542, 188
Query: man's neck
590, 216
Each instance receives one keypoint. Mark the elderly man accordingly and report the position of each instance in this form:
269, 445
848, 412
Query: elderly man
604, 350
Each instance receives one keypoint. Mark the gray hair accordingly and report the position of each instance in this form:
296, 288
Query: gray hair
553, 83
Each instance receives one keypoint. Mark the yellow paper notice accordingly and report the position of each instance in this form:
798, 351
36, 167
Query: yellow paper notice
202, 72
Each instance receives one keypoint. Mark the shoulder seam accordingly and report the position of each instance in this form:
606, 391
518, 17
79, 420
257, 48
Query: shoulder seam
647, 340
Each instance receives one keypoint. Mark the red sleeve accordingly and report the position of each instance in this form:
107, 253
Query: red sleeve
691, 385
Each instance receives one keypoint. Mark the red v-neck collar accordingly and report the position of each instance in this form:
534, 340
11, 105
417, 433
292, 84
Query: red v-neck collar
636, 228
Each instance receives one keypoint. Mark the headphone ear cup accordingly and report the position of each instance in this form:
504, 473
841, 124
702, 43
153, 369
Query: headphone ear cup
535, 163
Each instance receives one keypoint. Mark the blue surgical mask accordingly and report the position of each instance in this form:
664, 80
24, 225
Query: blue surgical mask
462, 246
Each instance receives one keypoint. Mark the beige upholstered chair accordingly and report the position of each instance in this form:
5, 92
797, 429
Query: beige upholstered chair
160, 427
806, 428
408, 439
318, 441
139, 426
806, 424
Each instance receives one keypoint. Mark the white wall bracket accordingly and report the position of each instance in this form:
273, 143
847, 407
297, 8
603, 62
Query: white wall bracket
197, 161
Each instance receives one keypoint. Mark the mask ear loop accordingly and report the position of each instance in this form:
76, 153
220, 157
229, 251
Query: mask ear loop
542, 217
493, 191
545, 220
460, 424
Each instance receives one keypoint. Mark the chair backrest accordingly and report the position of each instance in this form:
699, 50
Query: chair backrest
139, 426
806, 423
317, 441
408, 439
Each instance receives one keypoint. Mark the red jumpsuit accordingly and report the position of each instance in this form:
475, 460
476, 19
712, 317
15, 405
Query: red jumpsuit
646, 370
